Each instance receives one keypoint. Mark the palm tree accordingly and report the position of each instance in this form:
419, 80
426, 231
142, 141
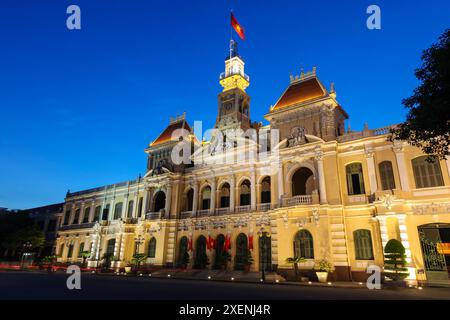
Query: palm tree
295, 261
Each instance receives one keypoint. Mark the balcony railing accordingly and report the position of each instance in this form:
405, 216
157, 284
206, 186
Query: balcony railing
77, 226
240, 209
221, 211
153, 215
264, 206
203, 213
186, 214
296, 200
223, 75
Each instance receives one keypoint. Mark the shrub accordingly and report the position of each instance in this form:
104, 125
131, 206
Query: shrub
395, 260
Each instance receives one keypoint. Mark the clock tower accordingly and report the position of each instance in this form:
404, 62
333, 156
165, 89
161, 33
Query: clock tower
234, 103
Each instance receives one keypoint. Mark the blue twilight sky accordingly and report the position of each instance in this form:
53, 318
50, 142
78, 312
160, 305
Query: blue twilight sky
78, 107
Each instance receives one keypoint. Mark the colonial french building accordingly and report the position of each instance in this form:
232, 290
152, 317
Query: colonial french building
305, 187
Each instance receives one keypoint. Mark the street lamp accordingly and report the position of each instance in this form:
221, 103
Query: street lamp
262, 240
138, 240
26, 246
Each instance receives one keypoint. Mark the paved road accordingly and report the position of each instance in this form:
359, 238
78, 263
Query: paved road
23, 285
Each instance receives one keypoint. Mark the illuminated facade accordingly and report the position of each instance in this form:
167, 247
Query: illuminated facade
326, 193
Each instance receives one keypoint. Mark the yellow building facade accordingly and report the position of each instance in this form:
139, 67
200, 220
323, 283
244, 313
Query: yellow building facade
315, 190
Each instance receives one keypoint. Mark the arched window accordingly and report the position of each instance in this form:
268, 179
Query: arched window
97, 211
86, 214
363, 244
118, 210
201, 259
265, 190
130, 209
105, 212
225, 196
76, 217
141, 199
245, 193
206, 198
182, 252
427, 174
303, 244
159, 201
219, 244
152, 248
80, 250
241, 251
355, 179
61, 250
386, 175
302, 182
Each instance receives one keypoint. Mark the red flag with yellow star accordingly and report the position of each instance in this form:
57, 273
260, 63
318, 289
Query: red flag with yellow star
237, 27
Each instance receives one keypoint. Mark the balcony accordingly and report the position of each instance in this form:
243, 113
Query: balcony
223, 75
297, 200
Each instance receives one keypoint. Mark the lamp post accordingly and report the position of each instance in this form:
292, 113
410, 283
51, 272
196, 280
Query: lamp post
263, 251
138, 240
26, 245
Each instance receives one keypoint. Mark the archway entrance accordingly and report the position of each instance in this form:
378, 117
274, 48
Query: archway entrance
265, 252
201, 259
435, 244
160, 201
183, 250
241, 251
109, 254
219, 258
302, 182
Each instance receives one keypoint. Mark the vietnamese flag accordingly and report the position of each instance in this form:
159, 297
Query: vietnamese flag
250, 242
237, 27
190, 244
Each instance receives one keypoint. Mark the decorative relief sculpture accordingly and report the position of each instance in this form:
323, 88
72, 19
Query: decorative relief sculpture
297, 136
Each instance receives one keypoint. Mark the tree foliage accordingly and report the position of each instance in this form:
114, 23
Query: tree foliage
427, 124
18, 230
395, 260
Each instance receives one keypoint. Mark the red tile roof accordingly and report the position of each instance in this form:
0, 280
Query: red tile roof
301, 91
166, 135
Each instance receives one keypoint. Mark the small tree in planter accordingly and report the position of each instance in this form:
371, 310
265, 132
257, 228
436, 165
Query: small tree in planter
222, 260
395, 260
48, 262
85, 255
137, 259
295, 261
323, 268
202, 261
247, 260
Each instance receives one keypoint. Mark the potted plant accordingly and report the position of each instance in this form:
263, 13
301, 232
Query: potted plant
295, 261
222, 260
323, 268
247, 261
395, 261
85, 255
201, 261
128, 267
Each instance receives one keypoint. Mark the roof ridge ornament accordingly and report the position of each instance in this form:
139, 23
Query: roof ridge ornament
178, 118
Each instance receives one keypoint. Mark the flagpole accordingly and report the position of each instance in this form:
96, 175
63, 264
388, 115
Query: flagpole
231, 31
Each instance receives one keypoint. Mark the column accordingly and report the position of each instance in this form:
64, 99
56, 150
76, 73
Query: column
321, 173
232, 193
81, 216
280, 184
383, 231
136, 204
371, 169
195, 200
253, 189
448, 165
405, 242
124, 207
63, 218
122, 247
400, 157
92, 211
168, 200
145, 203
111, 209
213, 195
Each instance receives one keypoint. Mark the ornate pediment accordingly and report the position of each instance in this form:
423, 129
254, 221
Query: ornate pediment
297, 137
